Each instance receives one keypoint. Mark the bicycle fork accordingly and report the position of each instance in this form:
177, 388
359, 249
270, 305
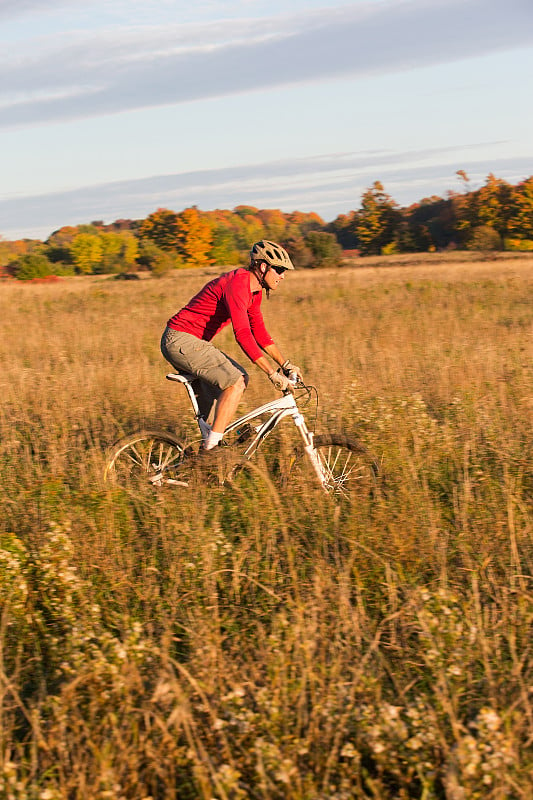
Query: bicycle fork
310, 450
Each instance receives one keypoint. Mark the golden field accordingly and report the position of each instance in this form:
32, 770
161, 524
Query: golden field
176, 646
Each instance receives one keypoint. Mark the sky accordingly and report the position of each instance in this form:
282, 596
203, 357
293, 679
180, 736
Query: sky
110, 110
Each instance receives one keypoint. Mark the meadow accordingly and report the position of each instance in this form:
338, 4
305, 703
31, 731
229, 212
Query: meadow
193, 645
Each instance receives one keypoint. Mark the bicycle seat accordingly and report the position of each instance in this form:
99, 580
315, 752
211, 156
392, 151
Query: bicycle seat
181, 377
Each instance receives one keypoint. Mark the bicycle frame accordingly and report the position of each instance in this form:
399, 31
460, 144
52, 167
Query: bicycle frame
279, 409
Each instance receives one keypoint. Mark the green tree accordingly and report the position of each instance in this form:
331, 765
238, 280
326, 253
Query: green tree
120, 252
155, 259
325, 249
223, 249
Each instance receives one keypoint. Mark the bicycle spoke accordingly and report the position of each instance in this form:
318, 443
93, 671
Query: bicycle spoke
152, 457
347, 468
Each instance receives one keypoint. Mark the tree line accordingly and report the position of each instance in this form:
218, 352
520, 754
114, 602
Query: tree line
497, 216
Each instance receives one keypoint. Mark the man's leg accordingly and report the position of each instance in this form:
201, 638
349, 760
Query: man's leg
225, 410
224, 377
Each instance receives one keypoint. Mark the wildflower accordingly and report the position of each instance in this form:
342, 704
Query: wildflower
414, 743
47, 794
489, 719
454, 670
348, 751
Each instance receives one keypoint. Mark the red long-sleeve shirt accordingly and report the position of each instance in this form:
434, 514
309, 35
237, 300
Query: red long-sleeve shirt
224, 299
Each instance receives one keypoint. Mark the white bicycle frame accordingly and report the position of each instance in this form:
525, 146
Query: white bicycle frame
284, 406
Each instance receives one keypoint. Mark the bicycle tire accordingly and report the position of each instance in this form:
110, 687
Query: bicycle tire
354, 471
150, 455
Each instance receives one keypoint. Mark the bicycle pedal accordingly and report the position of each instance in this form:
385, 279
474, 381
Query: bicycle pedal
189, 452
244, 433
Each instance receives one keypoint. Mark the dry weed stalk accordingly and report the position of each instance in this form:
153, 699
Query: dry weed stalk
263, 645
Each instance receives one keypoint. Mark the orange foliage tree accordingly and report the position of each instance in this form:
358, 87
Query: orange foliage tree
194, 237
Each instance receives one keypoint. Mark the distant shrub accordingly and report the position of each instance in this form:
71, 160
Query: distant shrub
325, 248
484, 238
46, 279
126, 276
30, 266
521, 245
155, 259
390, 249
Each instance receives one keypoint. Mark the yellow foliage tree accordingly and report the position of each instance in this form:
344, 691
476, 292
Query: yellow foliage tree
194, 237
87, 250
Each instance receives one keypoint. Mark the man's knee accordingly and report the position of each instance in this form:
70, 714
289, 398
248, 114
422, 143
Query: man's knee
241, 384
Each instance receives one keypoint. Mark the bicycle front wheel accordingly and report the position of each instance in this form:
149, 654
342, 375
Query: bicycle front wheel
349, 469
152, 457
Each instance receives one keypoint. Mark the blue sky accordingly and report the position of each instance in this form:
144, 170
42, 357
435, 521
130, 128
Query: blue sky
112, 109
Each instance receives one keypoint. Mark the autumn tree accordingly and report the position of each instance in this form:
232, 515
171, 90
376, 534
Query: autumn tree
485, 238
343, 228
87, 251
495, 205
248, 227
92, 251
161, 227
376, 220
300, 254
521, 220
274, 223
11, 251
194, 237
430, 225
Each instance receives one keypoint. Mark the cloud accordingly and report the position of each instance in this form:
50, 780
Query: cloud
111, 74
329, 184
17, 8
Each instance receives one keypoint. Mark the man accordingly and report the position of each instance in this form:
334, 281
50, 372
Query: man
232, 297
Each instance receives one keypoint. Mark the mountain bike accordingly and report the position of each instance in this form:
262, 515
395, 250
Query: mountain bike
337, 463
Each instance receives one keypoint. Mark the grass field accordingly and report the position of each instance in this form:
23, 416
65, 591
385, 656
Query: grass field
176, 646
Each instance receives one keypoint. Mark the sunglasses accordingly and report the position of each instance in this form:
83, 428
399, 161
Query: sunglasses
279, 270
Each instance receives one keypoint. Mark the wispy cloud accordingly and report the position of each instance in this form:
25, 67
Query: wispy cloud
10, 9
328, 184
126, 70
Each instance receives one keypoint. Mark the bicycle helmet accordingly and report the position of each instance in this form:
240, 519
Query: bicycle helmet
271, 253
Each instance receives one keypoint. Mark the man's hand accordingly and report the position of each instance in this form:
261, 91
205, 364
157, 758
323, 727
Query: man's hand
291, 369
280, 381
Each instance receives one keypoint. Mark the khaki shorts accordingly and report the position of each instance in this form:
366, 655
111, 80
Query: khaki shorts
188, 353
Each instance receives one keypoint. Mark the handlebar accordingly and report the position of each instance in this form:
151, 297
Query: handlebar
296, 383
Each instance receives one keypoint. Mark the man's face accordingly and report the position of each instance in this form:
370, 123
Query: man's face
274, 276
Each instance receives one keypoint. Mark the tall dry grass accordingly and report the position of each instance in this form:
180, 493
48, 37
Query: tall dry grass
202, 645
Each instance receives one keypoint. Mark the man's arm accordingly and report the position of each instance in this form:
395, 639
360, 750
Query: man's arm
273, 351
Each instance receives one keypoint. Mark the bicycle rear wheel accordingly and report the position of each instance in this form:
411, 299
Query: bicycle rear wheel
351, 470
155, 457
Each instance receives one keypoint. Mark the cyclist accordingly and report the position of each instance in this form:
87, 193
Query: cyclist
232, 297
